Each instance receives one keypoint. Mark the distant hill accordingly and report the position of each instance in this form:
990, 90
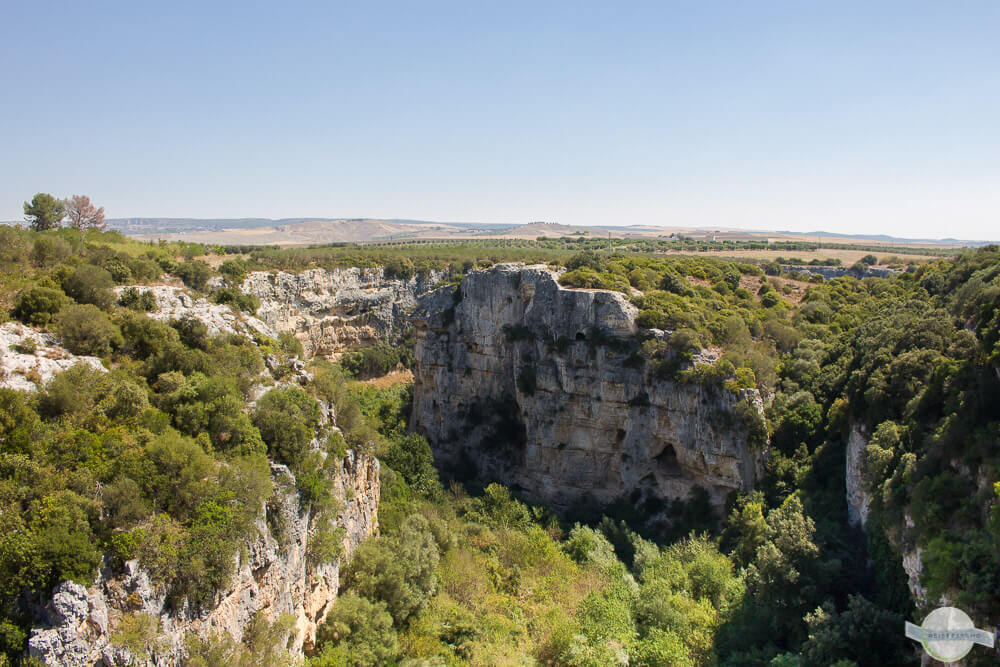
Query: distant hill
304, 231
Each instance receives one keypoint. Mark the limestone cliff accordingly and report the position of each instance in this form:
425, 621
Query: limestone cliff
522, 381
272, 575
337, 310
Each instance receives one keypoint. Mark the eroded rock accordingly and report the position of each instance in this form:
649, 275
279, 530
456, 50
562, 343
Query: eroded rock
519, 380
25, 370
332, 311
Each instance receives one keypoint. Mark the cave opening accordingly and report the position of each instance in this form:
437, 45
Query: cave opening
667, 464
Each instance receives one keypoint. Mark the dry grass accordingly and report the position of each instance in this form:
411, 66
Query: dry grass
390, 380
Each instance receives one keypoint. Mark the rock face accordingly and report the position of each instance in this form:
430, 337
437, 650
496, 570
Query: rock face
338, 310
272, 575
28, 357
858, 499
520, 380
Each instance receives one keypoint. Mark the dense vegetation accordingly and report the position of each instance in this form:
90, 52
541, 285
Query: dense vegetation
160, 459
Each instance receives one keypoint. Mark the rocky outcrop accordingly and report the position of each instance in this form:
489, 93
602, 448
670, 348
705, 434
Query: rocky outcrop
29, 358
522, 381
174, 303
332, 311
858, 498
273, 575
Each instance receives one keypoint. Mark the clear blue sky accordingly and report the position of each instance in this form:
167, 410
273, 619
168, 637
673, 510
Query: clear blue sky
846, 116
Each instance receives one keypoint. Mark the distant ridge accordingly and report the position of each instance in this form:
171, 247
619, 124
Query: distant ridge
317, 230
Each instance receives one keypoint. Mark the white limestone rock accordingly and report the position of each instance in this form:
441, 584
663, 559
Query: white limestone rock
174, 303
332, 311
21, 371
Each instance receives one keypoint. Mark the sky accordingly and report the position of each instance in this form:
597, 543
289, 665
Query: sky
851, 117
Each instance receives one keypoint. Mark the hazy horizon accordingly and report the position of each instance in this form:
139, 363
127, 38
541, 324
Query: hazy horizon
851, 119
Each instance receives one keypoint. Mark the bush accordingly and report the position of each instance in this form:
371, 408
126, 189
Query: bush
145, 337
235, 271
287, 419
357, 631
192, 332
194, 273
49, 250
37, 305
671, 282
399, 267
586, 258
234, 298
398, 570
290, 345
86, 330
90, 284
375, 361
141, 300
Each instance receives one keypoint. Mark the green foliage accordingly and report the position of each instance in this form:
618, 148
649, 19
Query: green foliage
236, 299
90, 284
375, 361
138, 633
495, 507
37, 305
287, 418
86, 330
139, 300
234, 270
194, 274
44, 212
49, 251
264, 642
398, 570
356, 632
399, 267
862, 633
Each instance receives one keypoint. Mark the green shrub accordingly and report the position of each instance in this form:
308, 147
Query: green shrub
287, 419
192, 331
357, 631
234, 298
85, 329
235, 271
399, 267
290, 345
140, 300
398, 570
37, 305
194, 273
375, 361
586, 258
90, 284
49, 250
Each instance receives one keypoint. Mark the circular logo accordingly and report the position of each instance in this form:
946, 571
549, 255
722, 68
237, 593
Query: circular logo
948, 634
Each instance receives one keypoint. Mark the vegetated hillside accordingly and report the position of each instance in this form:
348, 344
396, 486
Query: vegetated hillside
163, 458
